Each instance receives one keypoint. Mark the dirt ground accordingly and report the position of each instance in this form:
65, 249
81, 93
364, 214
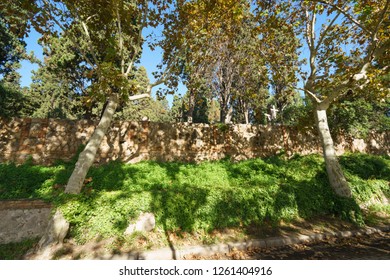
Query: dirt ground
374, 246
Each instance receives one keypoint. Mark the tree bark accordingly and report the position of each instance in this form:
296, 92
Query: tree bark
87, 156
229, 116
246, 116
335, 174
191, 107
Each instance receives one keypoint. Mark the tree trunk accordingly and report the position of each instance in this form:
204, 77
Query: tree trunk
246, 115
335, 174
87, 156
222, 114
226, 112
191, 107
229, 116
245, 110
58, 226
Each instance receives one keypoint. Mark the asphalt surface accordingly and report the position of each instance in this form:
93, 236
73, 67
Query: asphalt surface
364, 247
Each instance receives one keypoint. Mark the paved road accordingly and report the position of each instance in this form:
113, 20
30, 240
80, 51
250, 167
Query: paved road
366, 247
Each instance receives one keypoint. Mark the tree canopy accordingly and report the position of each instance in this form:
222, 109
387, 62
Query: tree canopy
241, 61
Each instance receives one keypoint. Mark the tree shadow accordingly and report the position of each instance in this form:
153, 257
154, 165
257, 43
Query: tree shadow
176, 209
366, 166
257, 192
25, 181
125, 191
272, 193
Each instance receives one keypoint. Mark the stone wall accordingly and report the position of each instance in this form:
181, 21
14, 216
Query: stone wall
23, 219
46, 140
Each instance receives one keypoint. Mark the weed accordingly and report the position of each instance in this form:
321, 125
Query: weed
199, 197
15, 251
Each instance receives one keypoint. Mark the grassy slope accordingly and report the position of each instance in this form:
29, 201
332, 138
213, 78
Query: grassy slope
199, 198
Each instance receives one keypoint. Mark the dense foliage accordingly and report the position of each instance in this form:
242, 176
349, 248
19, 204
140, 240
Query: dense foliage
190, 198
241, 61
237, 61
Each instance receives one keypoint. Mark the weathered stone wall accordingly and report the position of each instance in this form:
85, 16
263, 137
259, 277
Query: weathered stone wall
23, 219
46, 140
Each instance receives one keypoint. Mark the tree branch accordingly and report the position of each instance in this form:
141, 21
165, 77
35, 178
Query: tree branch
372, 52
138, 96
89, 40
142, 25
381, 18
311, 94
323, 35
309, 29
62, 27
120, 41
157, 83
310, 38
348, 16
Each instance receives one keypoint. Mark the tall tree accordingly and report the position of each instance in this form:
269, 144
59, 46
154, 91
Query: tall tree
210, 43
61, 82
112, 32
112, 36
13, 28
155, 110
341, 53
176, 112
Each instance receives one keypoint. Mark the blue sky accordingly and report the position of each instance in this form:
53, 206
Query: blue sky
27, 67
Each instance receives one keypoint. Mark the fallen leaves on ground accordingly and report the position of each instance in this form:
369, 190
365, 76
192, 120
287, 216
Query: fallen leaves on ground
363, 247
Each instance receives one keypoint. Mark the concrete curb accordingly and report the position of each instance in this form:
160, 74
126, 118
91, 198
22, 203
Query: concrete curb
225, 248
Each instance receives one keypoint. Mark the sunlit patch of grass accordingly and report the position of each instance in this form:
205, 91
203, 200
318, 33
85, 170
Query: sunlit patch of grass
199, 197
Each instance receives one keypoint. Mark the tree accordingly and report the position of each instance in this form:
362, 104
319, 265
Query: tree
194, 105
11, 101
12, 46
112, 32
60, 83
357, 116
177, 112
210, 44
112, 42
13, 27
334, 69
155, 110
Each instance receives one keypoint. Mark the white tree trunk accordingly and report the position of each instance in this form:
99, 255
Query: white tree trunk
228, 116
87, 156
246, 115
335, 174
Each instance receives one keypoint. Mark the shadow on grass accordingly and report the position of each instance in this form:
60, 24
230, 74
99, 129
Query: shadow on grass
176, 209
367, 166
26, 181
246, 195
16, 251
282, 195
117, 194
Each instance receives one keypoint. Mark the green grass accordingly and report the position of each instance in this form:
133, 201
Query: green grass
199, 197
16, 251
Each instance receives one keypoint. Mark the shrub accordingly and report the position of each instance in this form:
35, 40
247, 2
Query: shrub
199, 197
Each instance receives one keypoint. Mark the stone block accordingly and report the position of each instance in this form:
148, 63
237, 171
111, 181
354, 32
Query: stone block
21, 220
47, 140
146, 222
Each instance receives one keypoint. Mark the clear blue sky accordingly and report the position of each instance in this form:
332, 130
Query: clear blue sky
150, 59
27, 67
